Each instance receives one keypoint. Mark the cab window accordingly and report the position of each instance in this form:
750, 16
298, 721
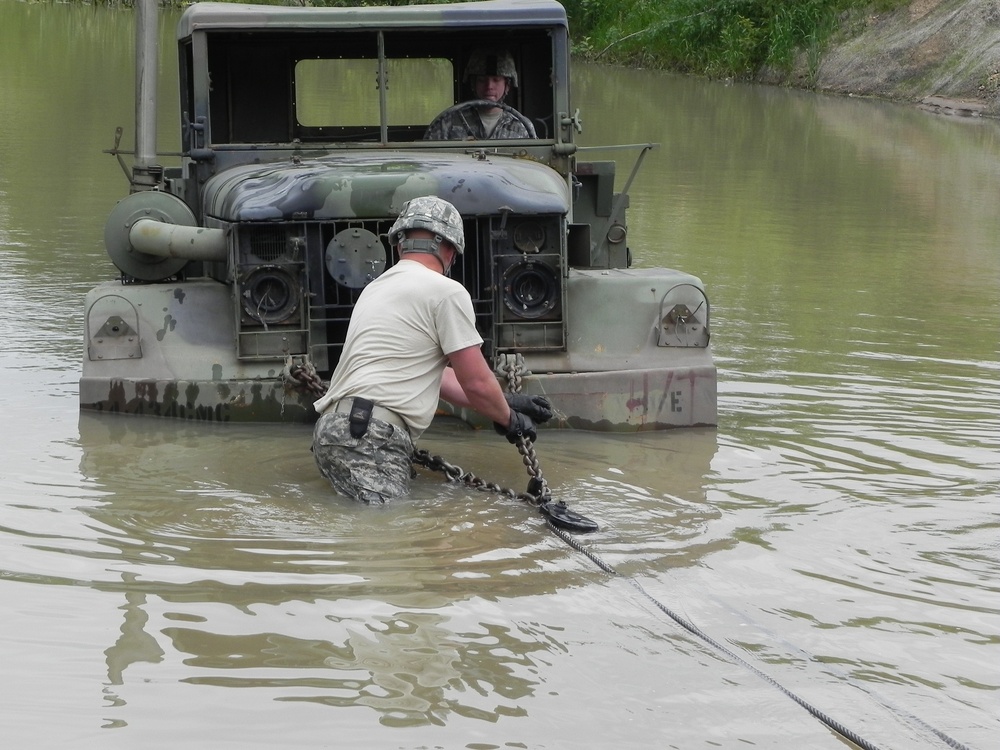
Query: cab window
343, 92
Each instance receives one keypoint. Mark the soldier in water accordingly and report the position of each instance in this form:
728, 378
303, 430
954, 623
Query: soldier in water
412, 339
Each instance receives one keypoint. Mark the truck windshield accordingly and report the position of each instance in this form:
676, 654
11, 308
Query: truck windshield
347, 86
331, 92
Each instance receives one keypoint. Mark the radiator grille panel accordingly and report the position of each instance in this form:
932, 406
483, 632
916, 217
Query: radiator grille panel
300, 249
267, 244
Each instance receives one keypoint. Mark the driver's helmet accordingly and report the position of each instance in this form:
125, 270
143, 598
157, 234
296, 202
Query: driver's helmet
491, 62
433, 214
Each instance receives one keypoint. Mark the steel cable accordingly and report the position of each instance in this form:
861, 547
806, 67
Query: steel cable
827, 720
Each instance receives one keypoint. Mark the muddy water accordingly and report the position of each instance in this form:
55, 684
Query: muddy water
168, 584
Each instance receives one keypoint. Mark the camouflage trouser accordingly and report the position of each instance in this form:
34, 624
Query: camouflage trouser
373, 468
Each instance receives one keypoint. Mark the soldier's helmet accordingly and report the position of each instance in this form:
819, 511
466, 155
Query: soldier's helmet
433, 214
491, 62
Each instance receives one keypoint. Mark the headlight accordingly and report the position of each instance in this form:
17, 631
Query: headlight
269, 295
530, 289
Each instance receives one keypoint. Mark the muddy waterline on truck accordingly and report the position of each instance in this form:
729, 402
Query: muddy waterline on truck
166, 582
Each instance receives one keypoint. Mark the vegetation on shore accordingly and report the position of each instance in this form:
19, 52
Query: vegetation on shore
717, 38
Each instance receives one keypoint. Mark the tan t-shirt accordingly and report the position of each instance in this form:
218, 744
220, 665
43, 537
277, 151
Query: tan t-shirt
404, 325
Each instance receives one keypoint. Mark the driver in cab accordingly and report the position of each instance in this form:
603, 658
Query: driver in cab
491, 75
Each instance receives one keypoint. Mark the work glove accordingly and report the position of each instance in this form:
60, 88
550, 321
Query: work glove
520, 425
537, 408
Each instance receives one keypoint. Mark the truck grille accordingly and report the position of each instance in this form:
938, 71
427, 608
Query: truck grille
335, 261
331, 301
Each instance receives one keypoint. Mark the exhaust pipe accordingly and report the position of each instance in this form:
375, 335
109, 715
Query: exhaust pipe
145, 171
164, 240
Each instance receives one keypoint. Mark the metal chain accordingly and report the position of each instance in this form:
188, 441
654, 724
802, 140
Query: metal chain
456, 473
302, 376
514, 369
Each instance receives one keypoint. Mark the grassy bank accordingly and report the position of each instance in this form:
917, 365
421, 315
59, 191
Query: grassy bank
719, 38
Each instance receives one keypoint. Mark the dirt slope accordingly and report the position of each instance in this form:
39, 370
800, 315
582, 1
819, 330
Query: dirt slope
942, 53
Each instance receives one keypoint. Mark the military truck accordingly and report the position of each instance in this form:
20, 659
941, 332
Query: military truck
302, 133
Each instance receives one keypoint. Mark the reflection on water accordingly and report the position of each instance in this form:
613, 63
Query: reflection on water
134, 644
405, 666
839, 526
410, 625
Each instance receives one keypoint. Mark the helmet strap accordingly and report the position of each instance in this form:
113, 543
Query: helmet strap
423, 245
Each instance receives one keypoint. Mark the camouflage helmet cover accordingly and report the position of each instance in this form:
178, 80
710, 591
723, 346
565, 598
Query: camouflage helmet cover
491, 62
433, 214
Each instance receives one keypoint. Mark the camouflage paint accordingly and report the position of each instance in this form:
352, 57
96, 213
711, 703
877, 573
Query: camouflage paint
376, 184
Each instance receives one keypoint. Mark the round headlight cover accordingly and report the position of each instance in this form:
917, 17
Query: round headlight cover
530, 289
269, 295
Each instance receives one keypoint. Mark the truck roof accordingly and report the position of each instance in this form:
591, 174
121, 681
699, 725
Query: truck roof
484, 13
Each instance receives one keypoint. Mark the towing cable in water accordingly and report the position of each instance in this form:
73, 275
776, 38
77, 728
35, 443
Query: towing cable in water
560, 520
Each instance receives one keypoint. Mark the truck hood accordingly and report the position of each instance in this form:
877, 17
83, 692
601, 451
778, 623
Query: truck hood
365, 184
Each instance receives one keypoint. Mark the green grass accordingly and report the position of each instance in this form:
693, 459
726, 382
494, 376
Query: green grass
724, 38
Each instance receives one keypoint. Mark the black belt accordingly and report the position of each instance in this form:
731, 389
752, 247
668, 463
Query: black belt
346, 405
